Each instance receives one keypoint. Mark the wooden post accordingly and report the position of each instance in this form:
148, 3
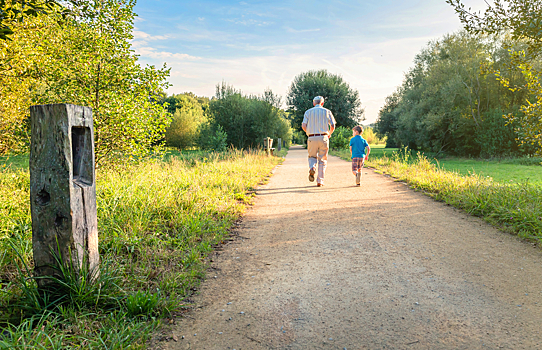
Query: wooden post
62, 188
279, 144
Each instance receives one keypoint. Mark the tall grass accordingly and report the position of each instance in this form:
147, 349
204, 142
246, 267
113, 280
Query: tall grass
157, 222
516, 207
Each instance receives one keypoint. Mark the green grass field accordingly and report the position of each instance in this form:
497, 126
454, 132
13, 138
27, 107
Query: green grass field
497, 170
157, 221
507, 193
505, 171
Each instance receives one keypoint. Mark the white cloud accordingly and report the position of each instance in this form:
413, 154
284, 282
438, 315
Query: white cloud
139, 35
292, 30
146, 51
371, 55
374, 70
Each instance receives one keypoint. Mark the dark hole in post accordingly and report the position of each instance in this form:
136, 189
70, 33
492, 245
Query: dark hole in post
82, 156
43, 197
59, 220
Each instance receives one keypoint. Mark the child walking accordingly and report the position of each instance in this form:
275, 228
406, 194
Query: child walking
357, 152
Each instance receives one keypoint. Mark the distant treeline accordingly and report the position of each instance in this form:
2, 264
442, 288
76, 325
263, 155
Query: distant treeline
452, 100
228, 119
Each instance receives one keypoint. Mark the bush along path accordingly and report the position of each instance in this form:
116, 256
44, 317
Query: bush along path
157, 222
370, 267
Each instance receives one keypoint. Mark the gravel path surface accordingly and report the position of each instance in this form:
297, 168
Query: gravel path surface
376, 267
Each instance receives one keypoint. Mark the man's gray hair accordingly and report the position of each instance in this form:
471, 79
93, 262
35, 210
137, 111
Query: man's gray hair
318, 99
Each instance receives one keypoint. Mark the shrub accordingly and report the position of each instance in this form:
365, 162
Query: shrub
340, 138
212, 138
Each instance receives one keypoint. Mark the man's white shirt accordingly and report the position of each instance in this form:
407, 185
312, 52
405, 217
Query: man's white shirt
318, 120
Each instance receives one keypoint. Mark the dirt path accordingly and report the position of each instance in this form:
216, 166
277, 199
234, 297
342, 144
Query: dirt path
376, 267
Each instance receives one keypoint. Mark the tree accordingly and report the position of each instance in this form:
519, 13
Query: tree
18, 59
340, 98
188, 116
447, 101
523, 19
247, 120
13, 12
90, 62
386, 125
85, 59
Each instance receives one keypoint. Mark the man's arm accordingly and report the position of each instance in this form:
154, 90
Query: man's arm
304, 127
332, 123
331, 129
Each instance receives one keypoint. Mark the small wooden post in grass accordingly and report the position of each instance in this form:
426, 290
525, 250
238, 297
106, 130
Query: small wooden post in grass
62, 189
267, 145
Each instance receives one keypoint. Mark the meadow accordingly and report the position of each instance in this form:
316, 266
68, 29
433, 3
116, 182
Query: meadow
507, 193
506, 170
158, 220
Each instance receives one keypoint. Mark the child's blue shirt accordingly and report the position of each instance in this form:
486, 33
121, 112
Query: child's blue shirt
358, 145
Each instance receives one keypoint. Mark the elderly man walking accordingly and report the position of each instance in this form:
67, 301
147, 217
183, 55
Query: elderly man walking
319, 124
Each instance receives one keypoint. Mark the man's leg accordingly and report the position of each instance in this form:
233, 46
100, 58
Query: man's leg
312, 148
323, 150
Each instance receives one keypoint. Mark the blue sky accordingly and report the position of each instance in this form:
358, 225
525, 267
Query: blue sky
254, 45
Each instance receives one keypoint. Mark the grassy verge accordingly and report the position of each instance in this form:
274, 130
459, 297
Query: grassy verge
513, 207
506, 170
157, 222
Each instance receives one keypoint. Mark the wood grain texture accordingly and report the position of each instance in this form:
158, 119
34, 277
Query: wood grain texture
63, 198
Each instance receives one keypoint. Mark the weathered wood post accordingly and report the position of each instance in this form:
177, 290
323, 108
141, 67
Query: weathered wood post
279, 144
267, 144
62, 188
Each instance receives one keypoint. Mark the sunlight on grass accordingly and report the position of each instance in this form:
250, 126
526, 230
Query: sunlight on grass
512, 206
158, 220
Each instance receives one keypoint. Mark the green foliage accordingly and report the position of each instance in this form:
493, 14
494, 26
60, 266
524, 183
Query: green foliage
523, 19
212, 137
496, 138
92, 64
16, 11
299, 137
185, 100
157, 222
247, 120
340, 98
371, 136
448, 100
515, 207
340, 139
188, 117
141, 303
528, 123
85, 59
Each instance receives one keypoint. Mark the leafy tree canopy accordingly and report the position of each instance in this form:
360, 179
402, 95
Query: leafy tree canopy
523, 19
188, 116
340, 98
449, 99
247, 120
87, 60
